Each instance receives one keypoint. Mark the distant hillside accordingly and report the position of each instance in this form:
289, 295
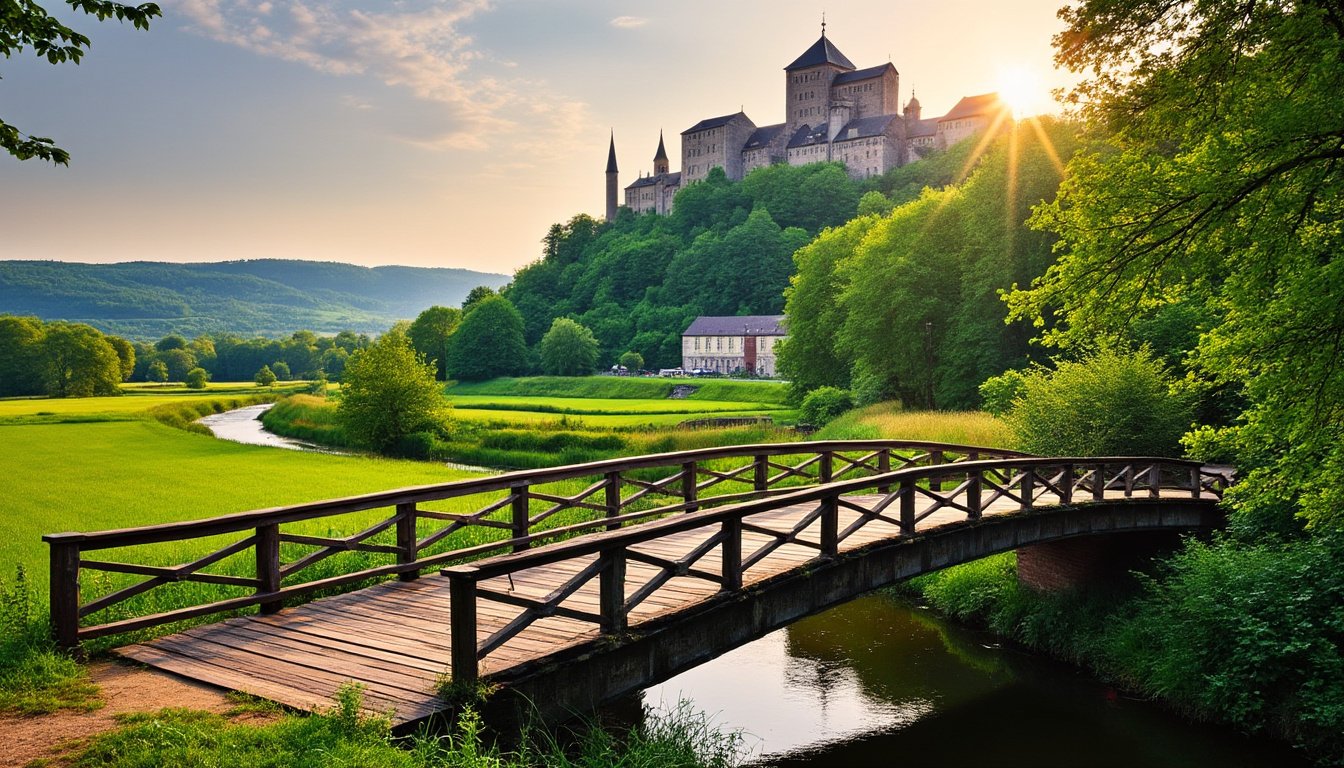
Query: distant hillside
268, 297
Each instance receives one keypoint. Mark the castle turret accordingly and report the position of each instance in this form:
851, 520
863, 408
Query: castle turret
612, 185
660, 159
912, 108
807, 90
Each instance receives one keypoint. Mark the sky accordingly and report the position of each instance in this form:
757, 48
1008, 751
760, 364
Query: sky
446, 133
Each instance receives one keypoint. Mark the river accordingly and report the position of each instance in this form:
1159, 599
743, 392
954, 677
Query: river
881, 682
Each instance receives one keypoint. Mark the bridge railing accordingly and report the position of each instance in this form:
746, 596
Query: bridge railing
155, 575
900, 500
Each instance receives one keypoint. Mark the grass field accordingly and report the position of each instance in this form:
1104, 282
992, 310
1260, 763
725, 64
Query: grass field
601, 406
626, 387
888, 420
620, 421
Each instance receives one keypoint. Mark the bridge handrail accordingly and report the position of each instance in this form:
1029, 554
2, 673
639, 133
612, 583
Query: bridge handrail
762, 475
1033, 479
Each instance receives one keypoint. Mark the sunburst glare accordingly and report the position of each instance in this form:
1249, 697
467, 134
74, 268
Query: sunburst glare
1023, 92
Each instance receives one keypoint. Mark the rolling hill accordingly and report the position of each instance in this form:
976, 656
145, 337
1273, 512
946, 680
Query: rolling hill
267, 297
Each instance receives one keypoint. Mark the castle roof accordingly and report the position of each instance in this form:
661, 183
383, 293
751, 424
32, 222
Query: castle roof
611, 155
807, 135
863, 74
764, 135
972, 106
666, 179
821, 52
739, 325
715, 122
662, 153
922, 128
865, 127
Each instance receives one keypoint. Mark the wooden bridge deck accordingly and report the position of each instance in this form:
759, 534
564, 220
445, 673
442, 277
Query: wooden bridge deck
394, 637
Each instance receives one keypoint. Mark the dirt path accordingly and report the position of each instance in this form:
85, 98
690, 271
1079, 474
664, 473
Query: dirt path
125, 688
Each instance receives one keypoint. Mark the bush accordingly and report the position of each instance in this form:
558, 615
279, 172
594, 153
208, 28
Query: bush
999, 393
1109, 404
388, 392
265, 377
823, 404
417, 445
197, 377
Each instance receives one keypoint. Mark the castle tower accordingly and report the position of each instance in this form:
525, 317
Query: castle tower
611, 178
807, 83
912, 108
660, 165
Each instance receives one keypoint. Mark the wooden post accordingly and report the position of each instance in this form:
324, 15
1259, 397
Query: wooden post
973, 502
268, 564
521, 524
462, 622
613, 501
1195, 480
908, 507
64, 586
1066, 485
688, 490
826, 468
1028, 487
612, 591
830, 525
1129, 480
1099, 483
762, 472
732, 554
406, 540
936, 481
1155, 481
883, 467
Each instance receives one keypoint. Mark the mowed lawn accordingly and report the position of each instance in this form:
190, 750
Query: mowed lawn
510, 416
96, 476
600, 406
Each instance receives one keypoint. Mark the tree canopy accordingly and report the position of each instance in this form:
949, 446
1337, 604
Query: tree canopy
430, 332
25, 25
488, 343
1214, 180
568, 349
389, 392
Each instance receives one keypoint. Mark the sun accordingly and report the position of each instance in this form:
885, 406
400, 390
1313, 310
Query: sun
1021, 90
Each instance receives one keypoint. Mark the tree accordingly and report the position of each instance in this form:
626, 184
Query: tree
1215, 179
568, 349
126, 355
488, 343
475, 296
430, 333
79, 361
27, 25
389, 392
281, 370
21, 367
265, 377
632, 361
197, 378
179, 361
158, 371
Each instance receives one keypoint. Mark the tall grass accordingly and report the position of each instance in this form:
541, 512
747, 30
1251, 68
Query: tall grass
626, 387
887, 420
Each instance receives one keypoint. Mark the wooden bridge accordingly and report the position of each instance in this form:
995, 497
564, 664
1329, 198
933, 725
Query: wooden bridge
576, 584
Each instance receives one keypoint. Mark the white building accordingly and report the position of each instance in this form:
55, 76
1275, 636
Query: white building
729, 344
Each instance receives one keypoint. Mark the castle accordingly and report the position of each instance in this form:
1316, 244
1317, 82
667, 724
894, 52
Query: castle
834, 112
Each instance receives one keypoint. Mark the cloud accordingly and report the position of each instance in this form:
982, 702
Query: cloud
628, 22
417, 46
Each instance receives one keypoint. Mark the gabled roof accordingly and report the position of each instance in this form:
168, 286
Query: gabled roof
973, 106
764, 135
715, 122
864, 127
666, 179
821, 52
739, 325
807, 135
922, 128
611, 155
863, 74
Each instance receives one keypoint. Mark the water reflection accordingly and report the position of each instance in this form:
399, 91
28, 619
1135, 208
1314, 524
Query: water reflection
881, 682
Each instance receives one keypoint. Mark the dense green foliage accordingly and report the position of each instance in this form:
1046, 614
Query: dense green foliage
726, 249
60, 359
267, 297
430, 332
617, 387
823, 404
389, 392
905, 305
1108, 404
489, 342
568, 349
1215, 185
197, 378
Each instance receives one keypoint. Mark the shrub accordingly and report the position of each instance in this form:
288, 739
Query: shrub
998, 393
1109, 404
417, 445
823, 404
265, 377
388, 392
197, 377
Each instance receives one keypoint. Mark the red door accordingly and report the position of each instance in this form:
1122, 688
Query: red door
749, 353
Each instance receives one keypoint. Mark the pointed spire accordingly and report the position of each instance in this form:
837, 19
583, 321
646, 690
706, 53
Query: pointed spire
662, 151
823, 23
611, 153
